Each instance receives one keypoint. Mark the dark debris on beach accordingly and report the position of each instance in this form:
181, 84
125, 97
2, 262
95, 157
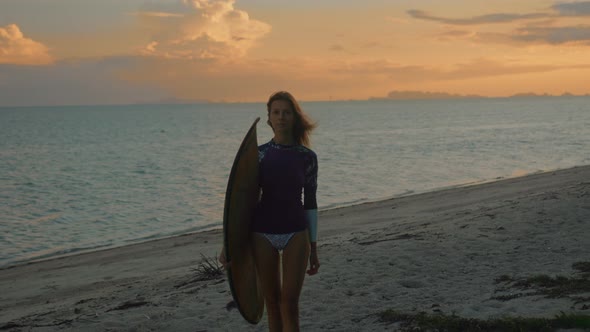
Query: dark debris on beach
550, 287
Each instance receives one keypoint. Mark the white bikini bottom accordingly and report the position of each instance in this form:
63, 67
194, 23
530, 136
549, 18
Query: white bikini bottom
278, 241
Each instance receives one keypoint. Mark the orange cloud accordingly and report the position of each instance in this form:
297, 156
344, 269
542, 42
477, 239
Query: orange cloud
15, 48
202, 29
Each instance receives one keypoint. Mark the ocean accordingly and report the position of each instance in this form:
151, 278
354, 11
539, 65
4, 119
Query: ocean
79, 178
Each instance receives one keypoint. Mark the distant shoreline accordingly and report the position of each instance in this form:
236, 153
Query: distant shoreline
425, 97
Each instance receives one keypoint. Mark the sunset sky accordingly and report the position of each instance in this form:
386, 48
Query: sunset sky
62, 52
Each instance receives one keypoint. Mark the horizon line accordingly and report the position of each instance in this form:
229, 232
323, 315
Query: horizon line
424, 95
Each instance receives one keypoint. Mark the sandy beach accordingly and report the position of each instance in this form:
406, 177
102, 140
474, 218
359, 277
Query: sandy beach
439, 252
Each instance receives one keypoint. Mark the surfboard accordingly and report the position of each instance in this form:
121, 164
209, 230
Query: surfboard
241, 198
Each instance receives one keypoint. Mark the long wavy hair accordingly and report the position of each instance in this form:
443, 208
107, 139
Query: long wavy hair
303, 124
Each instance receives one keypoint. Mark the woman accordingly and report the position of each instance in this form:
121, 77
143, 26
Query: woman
282, 222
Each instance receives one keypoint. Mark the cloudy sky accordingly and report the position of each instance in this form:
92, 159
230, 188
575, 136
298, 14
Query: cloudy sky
56, 52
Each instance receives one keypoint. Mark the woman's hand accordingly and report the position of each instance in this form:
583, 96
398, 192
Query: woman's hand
314, 262
222, 260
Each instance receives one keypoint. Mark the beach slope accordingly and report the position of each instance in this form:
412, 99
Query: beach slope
457, 251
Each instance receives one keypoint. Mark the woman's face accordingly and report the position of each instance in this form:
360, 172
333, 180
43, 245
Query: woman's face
282, 116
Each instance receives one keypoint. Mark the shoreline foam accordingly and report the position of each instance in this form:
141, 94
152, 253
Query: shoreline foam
77, 251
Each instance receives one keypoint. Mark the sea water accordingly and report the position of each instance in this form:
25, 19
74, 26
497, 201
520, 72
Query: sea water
78, 178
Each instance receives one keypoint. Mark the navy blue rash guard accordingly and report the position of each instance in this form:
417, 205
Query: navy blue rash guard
285, 172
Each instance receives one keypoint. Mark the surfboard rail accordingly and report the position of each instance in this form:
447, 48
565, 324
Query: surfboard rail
241, 198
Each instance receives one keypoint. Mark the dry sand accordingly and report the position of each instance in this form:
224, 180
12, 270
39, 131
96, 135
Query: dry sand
438, 252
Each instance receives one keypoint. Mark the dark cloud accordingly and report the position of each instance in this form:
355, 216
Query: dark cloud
573, 8
539, 28
567, 9
454, 34
528, 35
482, 19
554, 35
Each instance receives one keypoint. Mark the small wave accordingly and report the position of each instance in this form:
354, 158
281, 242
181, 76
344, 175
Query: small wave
49, 217
50, 254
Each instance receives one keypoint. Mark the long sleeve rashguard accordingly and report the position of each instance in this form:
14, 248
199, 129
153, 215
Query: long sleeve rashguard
285, 173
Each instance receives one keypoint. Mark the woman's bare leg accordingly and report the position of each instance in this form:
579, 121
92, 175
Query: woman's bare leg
295, 257
267, 266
